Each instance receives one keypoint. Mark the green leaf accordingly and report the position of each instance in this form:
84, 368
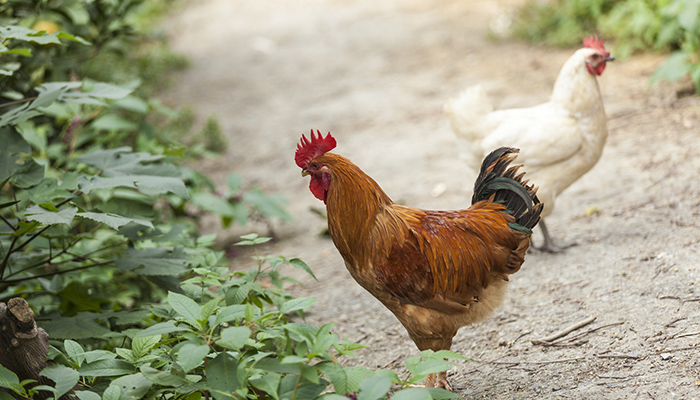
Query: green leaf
163, 378
132, 103
218, 205
191, 355
234, 182
151, 185
7, 378
64, 377
106, 368
107, 91
268, 383
141, 345
344, 380
300, 303
80, 326
32, 136
28, 35
186, 307
85, 395
74, 351
156, 261
432, 366
28, 174
438, 393
46, 191
222, 376
269, 206
234, 337
114, 221
412, 394
111, 122
68, 36
298, 263
229, 313
162, 328
47, 217
13, 146
112, 393
209, 308
688, 18
374, 387
132, 386
673, 69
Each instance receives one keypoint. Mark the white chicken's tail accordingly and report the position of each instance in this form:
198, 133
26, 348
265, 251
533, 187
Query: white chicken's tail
467, 113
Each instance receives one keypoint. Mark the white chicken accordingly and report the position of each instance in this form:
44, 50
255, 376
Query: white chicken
559, 140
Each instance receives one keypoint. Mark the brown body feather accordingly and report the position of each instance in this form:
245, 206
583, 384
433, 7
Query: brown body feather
435, 270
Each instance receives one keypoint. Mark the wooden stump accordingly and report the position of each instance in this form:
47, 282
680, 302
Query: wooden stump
23, 345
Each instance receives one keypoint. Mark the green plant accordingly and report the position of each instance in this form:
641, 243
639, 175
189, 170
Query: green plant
231, 335
634, 25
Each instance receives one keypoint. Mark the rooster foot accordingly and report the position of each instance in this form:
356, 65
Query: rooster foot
553, 248
438, 380
549, 246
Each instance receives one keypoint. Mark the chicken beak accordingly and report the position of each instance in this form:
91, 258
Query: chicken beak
609, 58
304, 173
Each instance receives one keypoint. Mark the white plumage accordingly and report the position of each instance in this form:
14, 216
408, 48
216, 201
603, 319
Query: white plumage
559, 141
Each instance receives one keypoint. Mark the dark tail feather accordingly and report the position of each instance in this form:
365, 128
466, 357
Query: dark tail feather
498, 182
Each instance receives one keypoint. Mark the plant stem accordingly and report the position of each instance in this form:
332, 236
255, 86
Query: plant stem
7, 257
11, 281
34, 236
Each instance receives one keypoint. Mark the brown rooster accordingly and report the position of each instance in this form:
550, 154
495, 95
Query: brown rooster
435, 270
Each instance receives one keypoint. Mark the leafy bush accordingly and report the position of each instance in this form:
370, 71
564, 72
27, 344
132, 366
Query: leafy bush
634, 25
229, 335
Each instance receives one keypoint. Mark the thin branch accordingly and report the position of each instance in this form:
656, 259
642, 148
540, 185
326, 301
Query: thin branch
563, 360
14, 228
684, 335
11, 281
594, 329
9, 103
34, 236
7, 257
564, 331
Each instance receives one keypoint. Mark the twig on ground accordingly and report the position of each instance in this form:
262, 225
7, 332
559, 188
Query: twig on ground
620, 356
562, 360
670, 324
684, 335
593, 330
563, 332
519, 337
397, 358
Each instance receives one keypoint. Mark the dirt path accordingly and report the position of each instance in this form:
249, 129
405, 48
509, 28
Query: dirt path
376, 73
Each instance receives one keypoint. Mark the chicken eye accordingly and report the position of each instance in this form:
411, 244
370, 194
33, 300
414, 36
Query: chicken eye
596, 56
314, 166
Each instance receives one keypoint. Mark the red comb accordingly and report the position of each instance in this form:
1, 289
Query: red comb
592, 42
307, 150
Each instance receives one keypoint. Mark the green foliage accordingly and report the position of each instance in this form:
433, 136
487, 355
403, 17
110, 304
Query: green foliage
634, 25
560, 23
231, 335
211, 135
89, 235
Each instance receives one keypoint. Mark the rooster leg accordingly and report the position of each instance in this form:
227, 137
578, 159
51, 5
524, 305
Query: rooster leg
436, 380
549, 245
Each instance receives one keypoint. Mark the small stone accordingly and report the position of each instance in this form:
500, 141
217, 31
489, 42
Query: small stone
666, 356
